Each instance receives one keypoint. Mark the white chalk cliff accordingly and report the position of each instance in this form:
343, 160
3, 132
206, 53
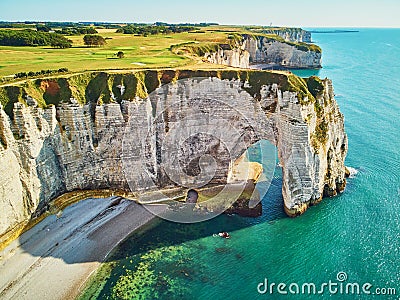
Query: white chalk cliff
45, 152
266, 52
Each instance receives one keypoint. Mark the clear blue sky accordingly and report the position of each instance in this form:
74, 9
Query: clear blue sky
304, 13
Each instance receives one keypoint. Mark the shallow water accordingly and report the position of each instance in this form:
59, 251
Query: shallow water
357, 232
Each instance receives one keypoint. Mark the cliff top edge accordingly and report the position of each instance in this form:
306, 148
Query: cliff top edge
105, 87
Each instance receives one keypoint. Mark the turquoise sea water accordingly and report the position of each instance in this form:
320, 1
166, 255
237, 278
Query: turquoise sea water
357, 232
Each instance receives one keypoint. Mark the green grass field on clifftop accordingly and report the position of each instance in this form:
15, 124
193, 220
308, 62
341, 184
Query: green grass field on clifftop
140, 52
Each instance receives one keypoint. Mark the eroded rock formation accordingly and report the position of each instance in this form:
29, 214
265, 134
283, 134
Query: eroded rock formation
266, 52
263, 50
289, 34
293, 34
104, 125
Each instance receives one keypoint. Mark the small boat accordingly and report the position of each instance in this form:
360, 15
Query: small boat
224, 235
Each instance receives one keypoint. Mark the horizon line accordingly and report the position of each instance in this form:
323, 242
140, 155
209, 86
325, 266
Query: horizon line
219, 24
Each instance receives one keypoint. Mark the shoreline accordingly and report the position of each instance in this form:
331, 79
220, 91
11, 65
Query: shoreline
56, 206
55, 258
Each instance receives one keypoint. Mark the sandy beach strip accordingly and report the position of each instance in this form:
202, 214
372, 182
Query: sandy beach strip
55, 258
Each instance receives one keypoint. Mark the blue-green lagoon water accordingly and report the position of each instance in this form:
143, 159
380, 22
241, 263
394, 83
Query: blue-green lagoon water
357, 232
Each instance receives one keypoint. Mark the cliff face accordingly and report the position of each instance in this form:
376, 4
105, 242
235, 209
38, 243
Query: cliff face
312, 149
119, 137
295, 35
289, 34
237, 57
267, 52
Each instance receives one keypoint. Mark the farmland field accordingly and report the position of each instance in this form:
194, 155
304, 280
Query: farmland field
140, 52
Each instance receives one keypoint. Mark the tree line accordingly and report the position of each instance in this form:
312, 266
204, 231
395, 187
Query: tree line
74, 30
39, 73
29, 37
92, 40
40, 38
77, 30
146, 30
186, 24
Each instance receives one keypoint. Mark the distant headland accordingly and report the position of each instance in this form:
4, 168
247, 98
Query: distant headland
334, 31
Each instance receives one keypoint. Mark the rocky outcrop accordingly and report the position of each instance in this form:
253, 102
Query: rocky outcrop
266, 52
111, 133
290, 34
235, 57
315, 146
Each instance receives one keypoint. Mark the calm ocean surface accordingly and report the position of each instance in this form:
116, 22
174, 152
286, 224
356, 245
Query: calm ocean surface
357, 232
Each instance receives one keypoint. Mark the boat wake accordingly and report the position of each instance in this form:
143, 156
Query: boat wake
353, 172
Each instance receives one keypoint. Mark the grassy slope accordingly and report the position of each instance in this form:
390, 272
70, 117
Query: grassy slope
140, 52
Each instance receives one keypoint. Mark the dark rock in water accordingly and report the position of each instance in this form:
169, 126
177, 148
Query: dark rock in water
347, 172
242, 207
340, 186
192, 196
246, 211
329, 191
239, 256
222, 250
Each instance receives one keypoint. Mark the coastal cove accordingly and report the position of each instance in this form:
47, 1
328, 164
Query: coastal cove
113, 248
356, 232
156, 136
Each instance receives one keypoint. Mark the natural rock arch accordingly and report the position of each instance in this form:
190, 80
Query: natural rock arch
210, 116
78, 145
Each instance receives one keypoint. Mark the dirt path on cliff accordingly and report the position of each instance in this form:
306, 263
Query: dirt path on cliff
53, 259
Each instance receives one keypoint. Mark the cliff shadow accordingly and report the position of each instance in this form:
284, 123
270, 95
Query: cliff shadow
50, 174
87, 231
163, 233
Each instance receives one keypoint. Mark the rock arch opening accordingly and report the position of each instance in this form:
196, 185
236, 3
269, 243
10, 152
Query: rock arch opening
214, 121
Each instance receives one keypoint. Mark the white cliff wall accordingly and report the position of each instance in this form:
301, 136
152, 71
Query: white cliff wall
265, 51
288, 34
47, 152
295, 35
312, 167
237, 58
